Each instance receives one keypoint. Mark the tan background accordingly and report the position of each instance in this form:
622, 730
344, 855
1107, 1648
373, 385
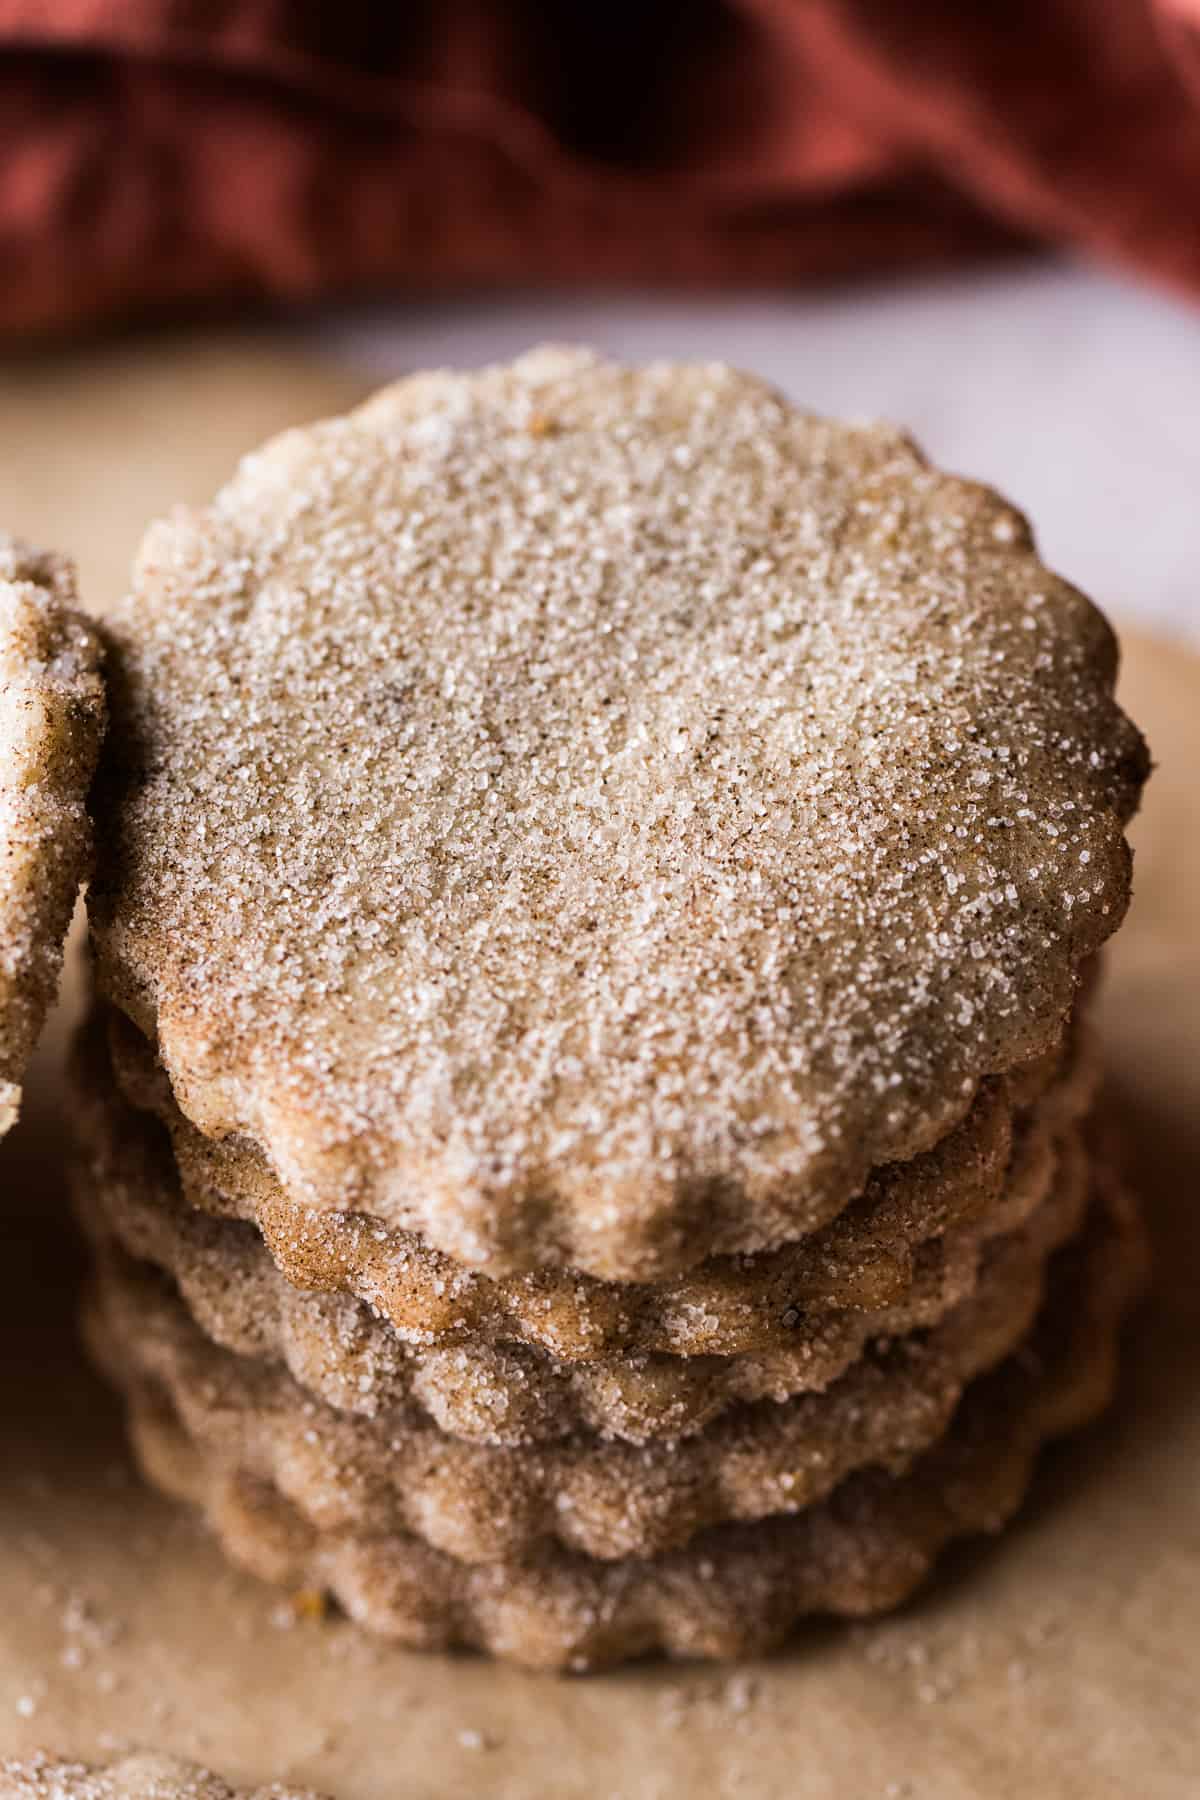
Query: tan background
1060, 1662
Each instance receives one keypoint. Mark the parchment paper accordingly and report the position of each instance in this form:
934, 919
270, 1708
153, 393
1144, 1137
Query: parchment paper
1060, 1661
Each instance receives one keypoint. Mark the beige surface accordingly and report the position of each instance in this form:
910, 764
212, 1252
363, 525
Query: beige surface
1059, 1662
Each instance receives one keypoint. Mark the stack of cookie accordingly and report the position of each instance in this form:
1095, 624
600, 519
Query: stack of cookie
587, 1109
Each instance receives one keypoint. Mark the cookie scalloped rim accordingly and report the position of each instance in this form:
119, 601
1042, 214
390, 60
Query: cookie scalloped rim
52, 718
602, 813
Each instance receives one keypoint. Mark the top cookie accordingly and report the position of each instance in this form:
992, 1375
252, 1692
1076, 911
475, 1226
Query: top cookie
610, 806
51, 720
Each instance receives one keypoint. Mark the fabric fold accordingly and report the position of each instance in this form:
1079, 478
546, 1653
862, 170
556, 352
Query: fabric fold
166, 153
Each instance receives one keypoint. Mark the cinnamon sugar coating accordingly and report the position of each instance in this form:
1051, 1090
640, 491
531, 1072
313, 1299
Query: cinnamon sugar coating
493, 1391
736, 1590
52, 714
869, 1256
596, 817
488, 1504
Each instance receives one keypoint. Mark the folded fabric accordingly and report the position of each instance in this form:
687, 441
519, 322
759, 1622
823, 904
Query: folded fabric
167, 153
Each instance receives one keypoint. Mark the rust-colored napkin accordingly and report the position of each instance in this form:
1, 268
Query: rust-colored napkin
166, 153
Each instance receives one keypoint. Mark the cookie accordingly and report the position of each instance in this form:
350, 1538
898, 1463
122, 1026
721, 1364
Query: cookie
145, 1776
609, 1500
861, 1257
52, 714
736, 1590
127, 1189
867, 1258
492, 1393
598, 816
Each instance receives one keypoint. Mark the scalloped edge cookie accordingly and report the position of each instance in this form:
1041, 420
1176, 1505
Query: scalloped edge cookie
52, 717
607, 1500
737, 1590
731, 1306
126, 1188
802, 776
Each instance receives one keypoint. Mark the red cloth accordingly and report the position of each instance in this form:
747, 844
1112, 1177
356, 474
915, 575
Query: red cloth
162, 153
